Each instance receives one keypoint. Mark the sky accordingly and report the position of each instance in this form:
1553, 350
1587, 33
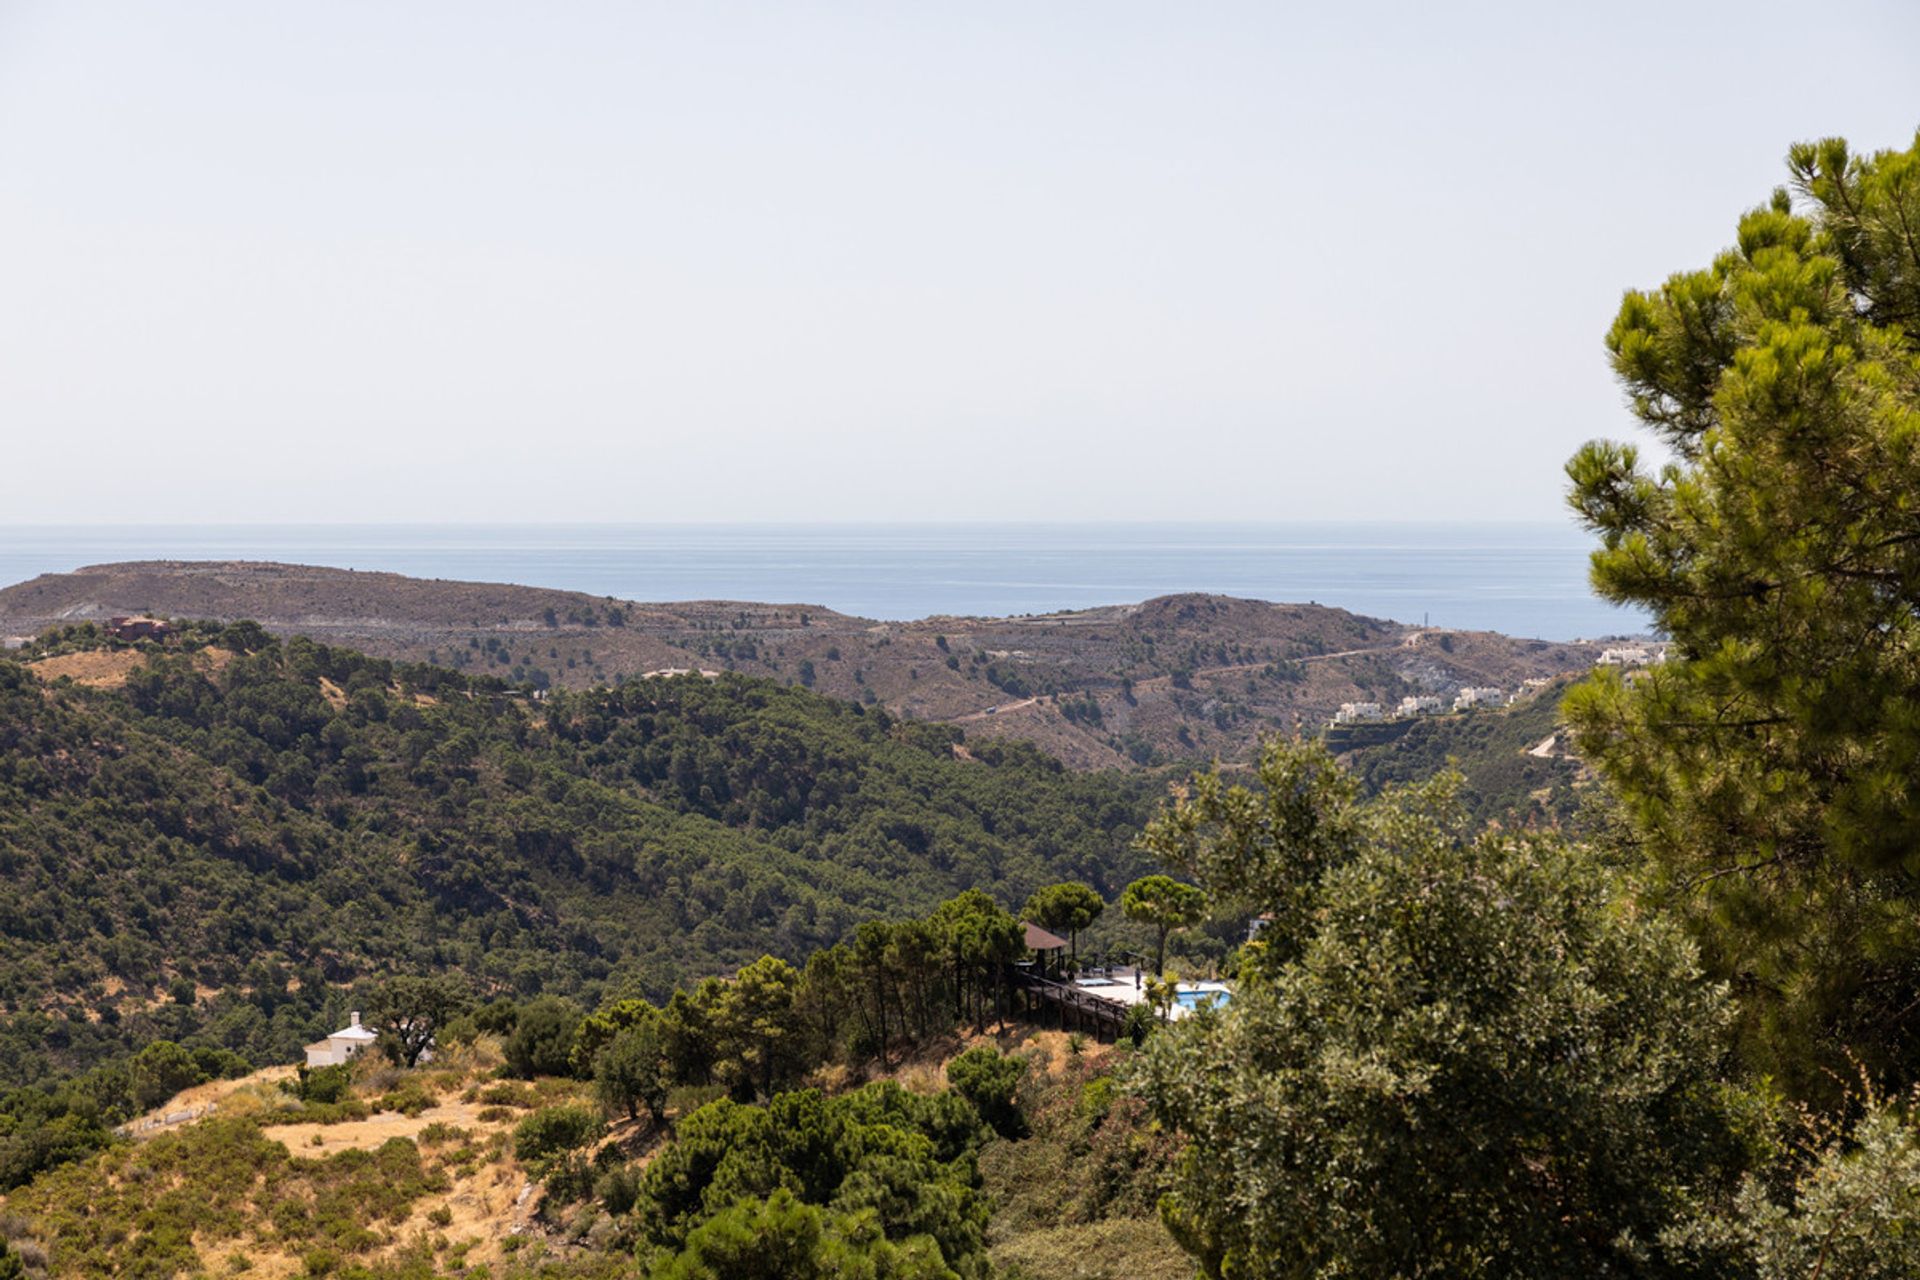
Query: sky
794, 262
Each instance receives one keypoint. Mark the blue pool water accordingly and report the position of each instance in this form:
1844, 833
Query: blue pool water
1194, 999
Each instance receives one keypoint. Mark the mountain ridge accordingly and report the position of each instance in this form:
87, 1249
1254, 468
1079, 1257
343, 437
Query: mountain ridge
1184, 676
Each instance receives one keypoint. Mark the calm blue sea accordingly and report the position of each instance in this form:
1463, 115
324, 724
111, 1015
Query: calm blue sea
1523, 579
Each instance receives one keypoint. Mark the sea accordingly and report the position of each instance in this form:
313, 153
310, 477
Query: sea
1520, 578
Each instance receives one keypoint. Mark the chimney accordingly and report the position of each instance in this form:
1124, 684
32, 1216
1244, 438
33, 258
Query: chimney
353, 1019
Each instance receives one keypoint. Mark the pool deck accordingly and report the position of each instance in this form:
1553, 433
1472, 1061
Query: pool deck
1126, 986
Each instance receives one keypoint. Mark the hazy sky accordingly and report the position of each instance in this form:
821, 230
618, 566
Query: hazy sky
412, 261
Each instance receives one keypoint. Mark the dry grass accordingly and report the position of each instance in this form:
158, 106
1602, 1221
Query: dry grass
924, 1070
365, 1135
213, 659
255, 1092
1116, 1249
490, 1199
94, 669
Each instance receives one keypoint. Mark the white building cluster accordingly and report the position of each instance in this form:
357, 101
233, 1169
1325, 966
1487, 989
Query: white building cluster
1627, 656
1480, 696
1469, 698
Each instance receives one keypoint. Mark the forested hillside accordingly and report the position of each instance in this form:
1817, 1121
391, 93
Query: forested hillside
217, 848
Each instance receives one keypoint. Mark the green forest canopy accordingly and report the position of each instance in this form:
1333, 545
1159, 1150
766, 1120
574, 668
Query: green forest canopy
217, 851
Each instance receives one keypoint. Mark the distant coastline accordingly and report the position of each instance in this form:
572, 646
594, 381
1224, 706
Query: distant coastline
1520, 579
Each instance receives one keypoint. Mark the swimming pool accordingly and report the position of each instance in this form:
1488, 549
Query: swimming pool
1194, 998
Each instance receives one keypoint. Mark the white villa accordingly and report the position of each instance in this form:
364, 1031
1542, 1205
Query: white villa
1627, 657
1480, 696
344, 1045
1355, 712
1422, 705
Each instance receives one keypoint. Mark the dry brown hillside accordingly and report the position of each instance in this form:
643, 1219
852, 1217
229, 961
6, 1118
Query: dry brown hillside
1178, 676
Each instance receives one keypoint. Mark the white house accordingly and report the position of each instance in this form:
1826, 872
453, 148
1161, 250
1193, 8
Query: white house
344, 1045
1355, 712
1480, 696
1421, 705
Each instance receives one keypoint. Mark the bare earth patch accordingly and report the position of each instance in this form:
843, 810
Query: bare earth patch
95, 669
213, 660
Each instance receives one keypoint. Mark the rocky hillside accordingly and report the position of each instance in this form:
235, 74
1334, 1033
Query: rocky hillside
1187, 676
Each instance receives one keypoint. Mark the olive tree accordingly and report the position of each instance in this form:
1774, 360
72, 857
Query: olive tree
1468, 1055
632, 1071
409, 1011
1850, 1206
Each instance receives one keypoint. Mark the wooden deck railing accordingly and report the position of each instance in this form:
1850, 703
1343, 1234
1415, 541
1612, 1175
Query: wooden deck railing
1072, 1003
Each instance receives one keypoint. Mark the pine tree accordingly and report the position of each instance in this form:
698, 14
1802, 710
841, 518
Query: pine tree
1769, 766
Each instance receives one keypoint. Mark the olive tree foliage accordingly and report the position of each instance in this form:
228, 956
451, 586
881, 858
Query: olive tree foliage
410, 1009
1768, 766
1450, 1054
1262, 850
1852, 1210
633, 1071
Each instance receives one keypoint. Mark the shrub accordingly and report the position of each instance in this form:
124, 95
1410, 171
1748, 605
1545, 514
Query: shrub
410, 1099
506, 1094
321, 1084
550, 1133
570, 1177
161, 1070
439, 1134
542, 1039
989, 1080
1852, 1209
617, 1190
